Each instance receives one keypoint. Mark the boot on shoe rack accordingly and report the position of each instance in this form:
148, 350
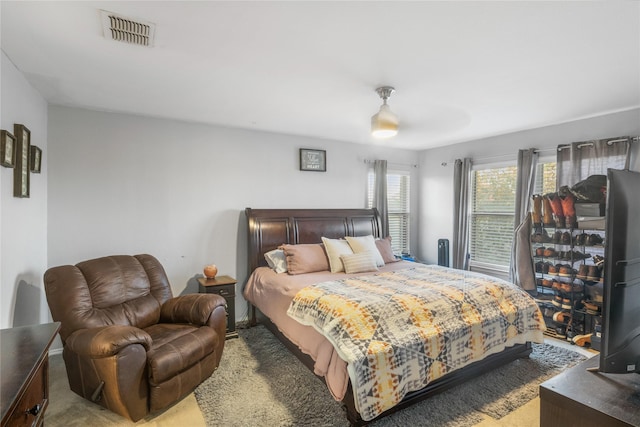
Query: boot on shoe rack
569, 210
556, 207
536, 213
547, 213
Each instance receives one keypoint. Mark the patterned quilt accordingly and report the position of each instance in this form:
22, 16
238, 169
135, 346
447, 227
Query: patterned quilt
400, 330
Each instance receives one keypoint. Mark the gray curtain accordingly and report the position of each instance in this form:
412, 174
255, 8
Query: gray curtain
380, 194
579, 160
525, 180
461, 175
521, 271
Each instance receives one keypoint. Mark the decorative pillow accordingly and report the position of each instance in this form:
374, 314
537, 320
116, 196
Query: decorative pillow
384, 247
277, 260
359, 262
366, 244
335, 248
305, 258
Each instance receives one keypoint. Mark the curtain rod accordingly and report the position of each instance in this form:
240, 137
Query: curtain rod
370, 162
499, 156
590, 144
543, 150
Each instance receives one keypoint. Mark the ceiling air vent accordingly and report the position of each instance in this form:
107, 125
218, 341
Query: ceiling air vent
121, 28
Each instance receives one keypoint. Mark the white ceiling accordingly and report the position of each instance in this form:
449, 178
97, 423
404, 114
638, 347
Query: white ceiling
462, 70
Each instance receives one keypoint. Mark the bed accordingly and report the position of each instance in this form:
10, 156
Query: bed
275, 298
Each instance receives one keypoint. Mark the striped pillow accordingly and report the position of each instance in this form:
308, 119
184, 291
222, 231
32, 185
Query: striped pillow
359, 263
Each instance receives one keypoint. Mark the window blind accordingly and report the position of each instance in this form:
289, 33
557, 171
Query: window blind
492, 215
398, 194
493, 207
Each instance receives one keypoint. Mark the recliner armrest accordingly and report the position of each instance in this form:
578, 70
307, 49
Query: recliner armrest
106, 341
192, 308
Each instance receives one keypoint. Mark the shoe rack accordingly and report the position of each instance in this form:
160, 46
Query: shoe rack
568, 263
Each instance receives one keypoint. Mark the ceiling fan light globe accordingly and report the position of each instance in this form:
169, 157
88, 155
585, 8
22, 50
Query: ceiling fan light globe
384, 124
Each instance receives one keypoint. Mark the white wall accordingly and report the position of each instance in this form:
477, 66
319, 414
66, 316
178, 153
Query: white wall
436, 181
23, 221
123, 184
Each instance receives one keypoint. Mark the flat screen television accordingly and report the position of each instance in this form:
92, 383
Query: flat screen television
620, 345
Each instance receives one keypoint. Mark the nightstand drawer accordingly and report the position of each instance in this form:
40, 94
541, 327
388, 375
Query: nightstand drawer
225, 291
30, 409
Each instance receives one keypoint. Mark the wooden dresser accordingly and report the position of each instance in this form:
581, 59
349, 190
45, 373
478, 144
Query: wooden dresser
25, 373
580, 398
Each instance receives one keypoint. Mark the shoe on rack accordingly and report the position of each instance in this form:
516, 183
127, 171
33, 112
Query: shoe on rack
555, 285
553, 269
583, 272
566, 271
590, 306
556, 208
556, 237
593, 273
540, 251
557, 301
598, 260
571, 287
540, 237
546, 283
549, 253
547, 213
536, 212
582, 340
580, 239
579, 256
593, 240
561, 317
566, 303
568, 208
565, 239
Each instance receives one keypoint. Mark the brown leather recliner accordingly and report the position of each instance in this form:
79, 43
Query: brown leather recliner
129, 345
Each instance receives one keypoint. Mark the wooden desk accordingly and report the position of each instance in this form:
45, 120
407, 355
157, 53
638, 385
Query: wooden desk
25, 373
581, 398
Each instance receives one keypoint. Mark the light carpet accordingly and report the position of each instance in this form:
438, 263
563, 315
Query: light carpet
259, 382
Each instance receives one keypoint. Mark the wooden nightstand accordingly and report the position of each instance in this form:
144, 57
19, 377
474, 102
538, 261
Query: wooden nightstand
224, 286
25, 373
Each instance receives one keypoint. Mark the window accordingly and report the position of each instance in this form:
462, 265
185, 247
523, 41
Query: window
493, 194
492, 211
398, 203
545, 178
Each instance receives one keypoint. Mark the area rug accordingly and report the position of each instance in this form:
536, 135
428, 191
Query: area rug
259, 382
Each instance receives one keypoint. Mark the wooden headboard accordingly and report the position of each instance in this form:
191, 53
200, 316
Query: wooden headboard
270, 228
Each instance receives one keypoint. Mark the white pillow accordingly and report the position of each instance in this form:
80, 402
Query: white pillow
366, 244
335, 248
359, 263
276, 260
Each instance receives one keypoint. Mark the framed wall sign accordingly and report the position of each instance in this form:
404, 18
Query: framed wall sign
313, 160
7, 149
35, 159
21, 171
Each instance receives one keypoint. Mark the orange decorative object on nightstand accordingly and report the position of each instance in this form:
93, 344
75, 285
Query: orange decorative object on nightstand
210, 271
